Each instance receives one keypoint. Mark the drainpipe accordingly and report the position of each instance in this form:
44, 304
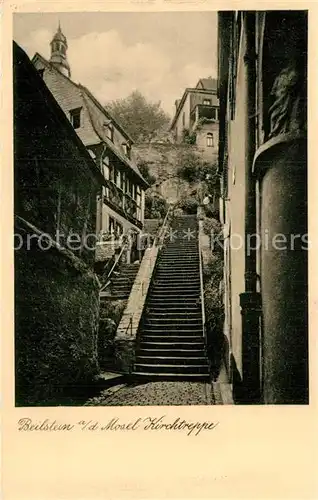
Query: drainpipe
249, 390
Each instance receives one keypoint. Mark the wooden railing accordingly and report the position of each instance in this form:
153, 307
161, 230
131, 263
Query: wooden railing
161, 233
129, 326
112, 269
201, 282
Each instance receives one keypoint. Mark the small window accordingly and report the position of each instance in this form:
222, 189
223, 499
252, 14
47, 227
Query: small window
183, 118
210, 140
75, 115
118, 229
122, 181
126, 149
41, 72
207, 102
110, 132
117, 179
106, 172
111, 225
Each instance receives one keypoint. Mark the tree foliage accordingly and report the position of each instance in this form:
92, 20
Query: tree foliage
140, 118
155, 206
144, 170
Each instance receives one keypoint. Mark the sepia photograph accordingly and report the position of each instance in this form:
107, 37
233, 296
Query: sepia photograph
160, 208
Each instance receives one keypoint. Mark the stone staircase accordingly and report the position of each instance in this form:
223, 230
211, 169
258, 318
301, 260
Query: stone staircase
122, 280
171, 342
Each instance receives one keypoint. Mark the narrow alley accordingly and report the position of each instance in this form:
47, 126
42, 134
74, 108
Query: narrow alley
156, 393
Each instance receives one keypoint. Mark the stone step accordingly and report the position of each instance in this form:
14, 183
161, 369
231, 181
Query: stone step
168, 360
187, 287
172, 368
162, 330
171, 325
193, 250
170, 346
180, 314
174, 290
169, 309
184, 252
179, 338
171, 376
166, 304
177, 265
182, 274
176, 284
170, 353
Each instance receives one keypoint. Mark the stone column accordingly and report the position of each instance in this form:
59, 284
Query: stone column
281, 168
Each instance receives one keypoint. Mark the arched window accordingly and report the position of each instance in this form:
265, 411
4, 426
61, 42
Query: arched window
210, 140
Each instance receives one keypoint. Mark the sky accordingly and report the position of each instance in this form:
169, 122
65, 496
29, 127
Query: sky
113, 54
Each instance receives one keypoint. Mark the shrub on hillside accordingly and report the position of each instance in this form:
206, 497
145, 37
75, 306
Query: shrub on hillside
144, 170
188, 137
155, 206
189, 205
188, 165
110, 316
211, 225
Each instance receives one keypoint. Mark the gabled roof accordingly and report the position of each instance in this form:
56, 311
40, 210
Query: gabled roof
207, 83
95, 109
106, 112
20, 57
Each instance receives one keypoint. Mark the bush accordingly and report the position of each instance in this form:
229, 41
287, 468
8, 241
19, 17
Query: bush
188, 173
144, 170
188, 165
155, 206
212, 211
110, 316
212, 226
189, 138
189, 205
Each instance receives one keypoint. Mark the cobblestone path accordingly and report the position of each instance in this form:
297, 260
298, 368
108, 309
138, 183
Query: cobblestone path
155, 394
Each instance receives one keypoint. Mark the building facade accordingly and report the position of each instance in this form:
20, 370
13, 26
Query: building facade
263, 170
120, 205
56, 291
196, 118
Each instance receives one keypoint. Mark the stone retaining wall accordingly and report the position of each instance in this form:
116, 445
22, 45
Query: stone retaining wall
128, 327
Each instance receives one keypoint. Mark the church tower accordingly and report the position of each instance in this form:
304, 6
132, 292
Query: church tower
58, 53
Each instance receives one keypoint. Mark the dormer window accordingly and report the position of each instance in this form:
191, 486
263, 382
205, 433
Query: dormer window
75, 117
110, 131
126, 148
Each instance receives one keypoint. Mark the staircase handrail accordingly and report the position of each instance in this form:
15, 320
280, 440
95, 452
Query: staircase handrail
160, 233
123, 248
129, 325
201, 282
